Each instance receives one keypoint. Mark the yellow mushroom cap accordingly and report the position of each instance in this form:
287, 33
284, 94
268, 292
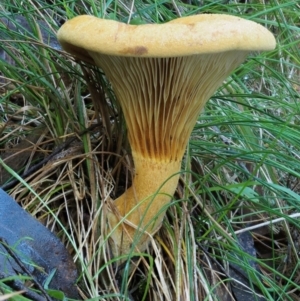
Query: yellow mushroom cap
199, 34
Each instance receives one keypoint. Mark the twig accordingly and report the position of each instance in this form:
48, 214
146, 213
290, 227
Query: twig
267, 223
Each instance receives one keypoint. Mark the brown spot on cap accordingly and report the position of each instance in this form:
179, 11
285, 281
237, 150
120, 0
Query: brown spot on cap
138, 50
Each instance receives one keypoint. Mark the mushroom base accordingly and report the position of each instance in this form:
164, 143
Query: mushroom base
138, 213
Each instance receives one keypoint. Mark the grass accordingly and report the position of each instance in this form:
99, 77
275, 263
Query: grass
237, 205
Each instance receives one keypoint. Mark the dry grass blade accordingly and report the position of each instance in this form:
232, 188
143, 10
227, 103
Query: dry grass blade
11, 295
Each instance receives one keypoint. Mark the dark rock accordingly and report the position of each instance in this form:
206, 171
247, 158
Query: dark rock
38, 248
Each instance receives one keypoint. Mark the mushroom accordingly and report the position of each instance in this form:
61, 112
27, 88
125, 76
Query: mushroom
162, 75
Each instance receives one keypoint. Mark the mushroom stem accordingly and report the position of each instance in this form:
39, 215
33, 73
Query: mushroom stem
141, 208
